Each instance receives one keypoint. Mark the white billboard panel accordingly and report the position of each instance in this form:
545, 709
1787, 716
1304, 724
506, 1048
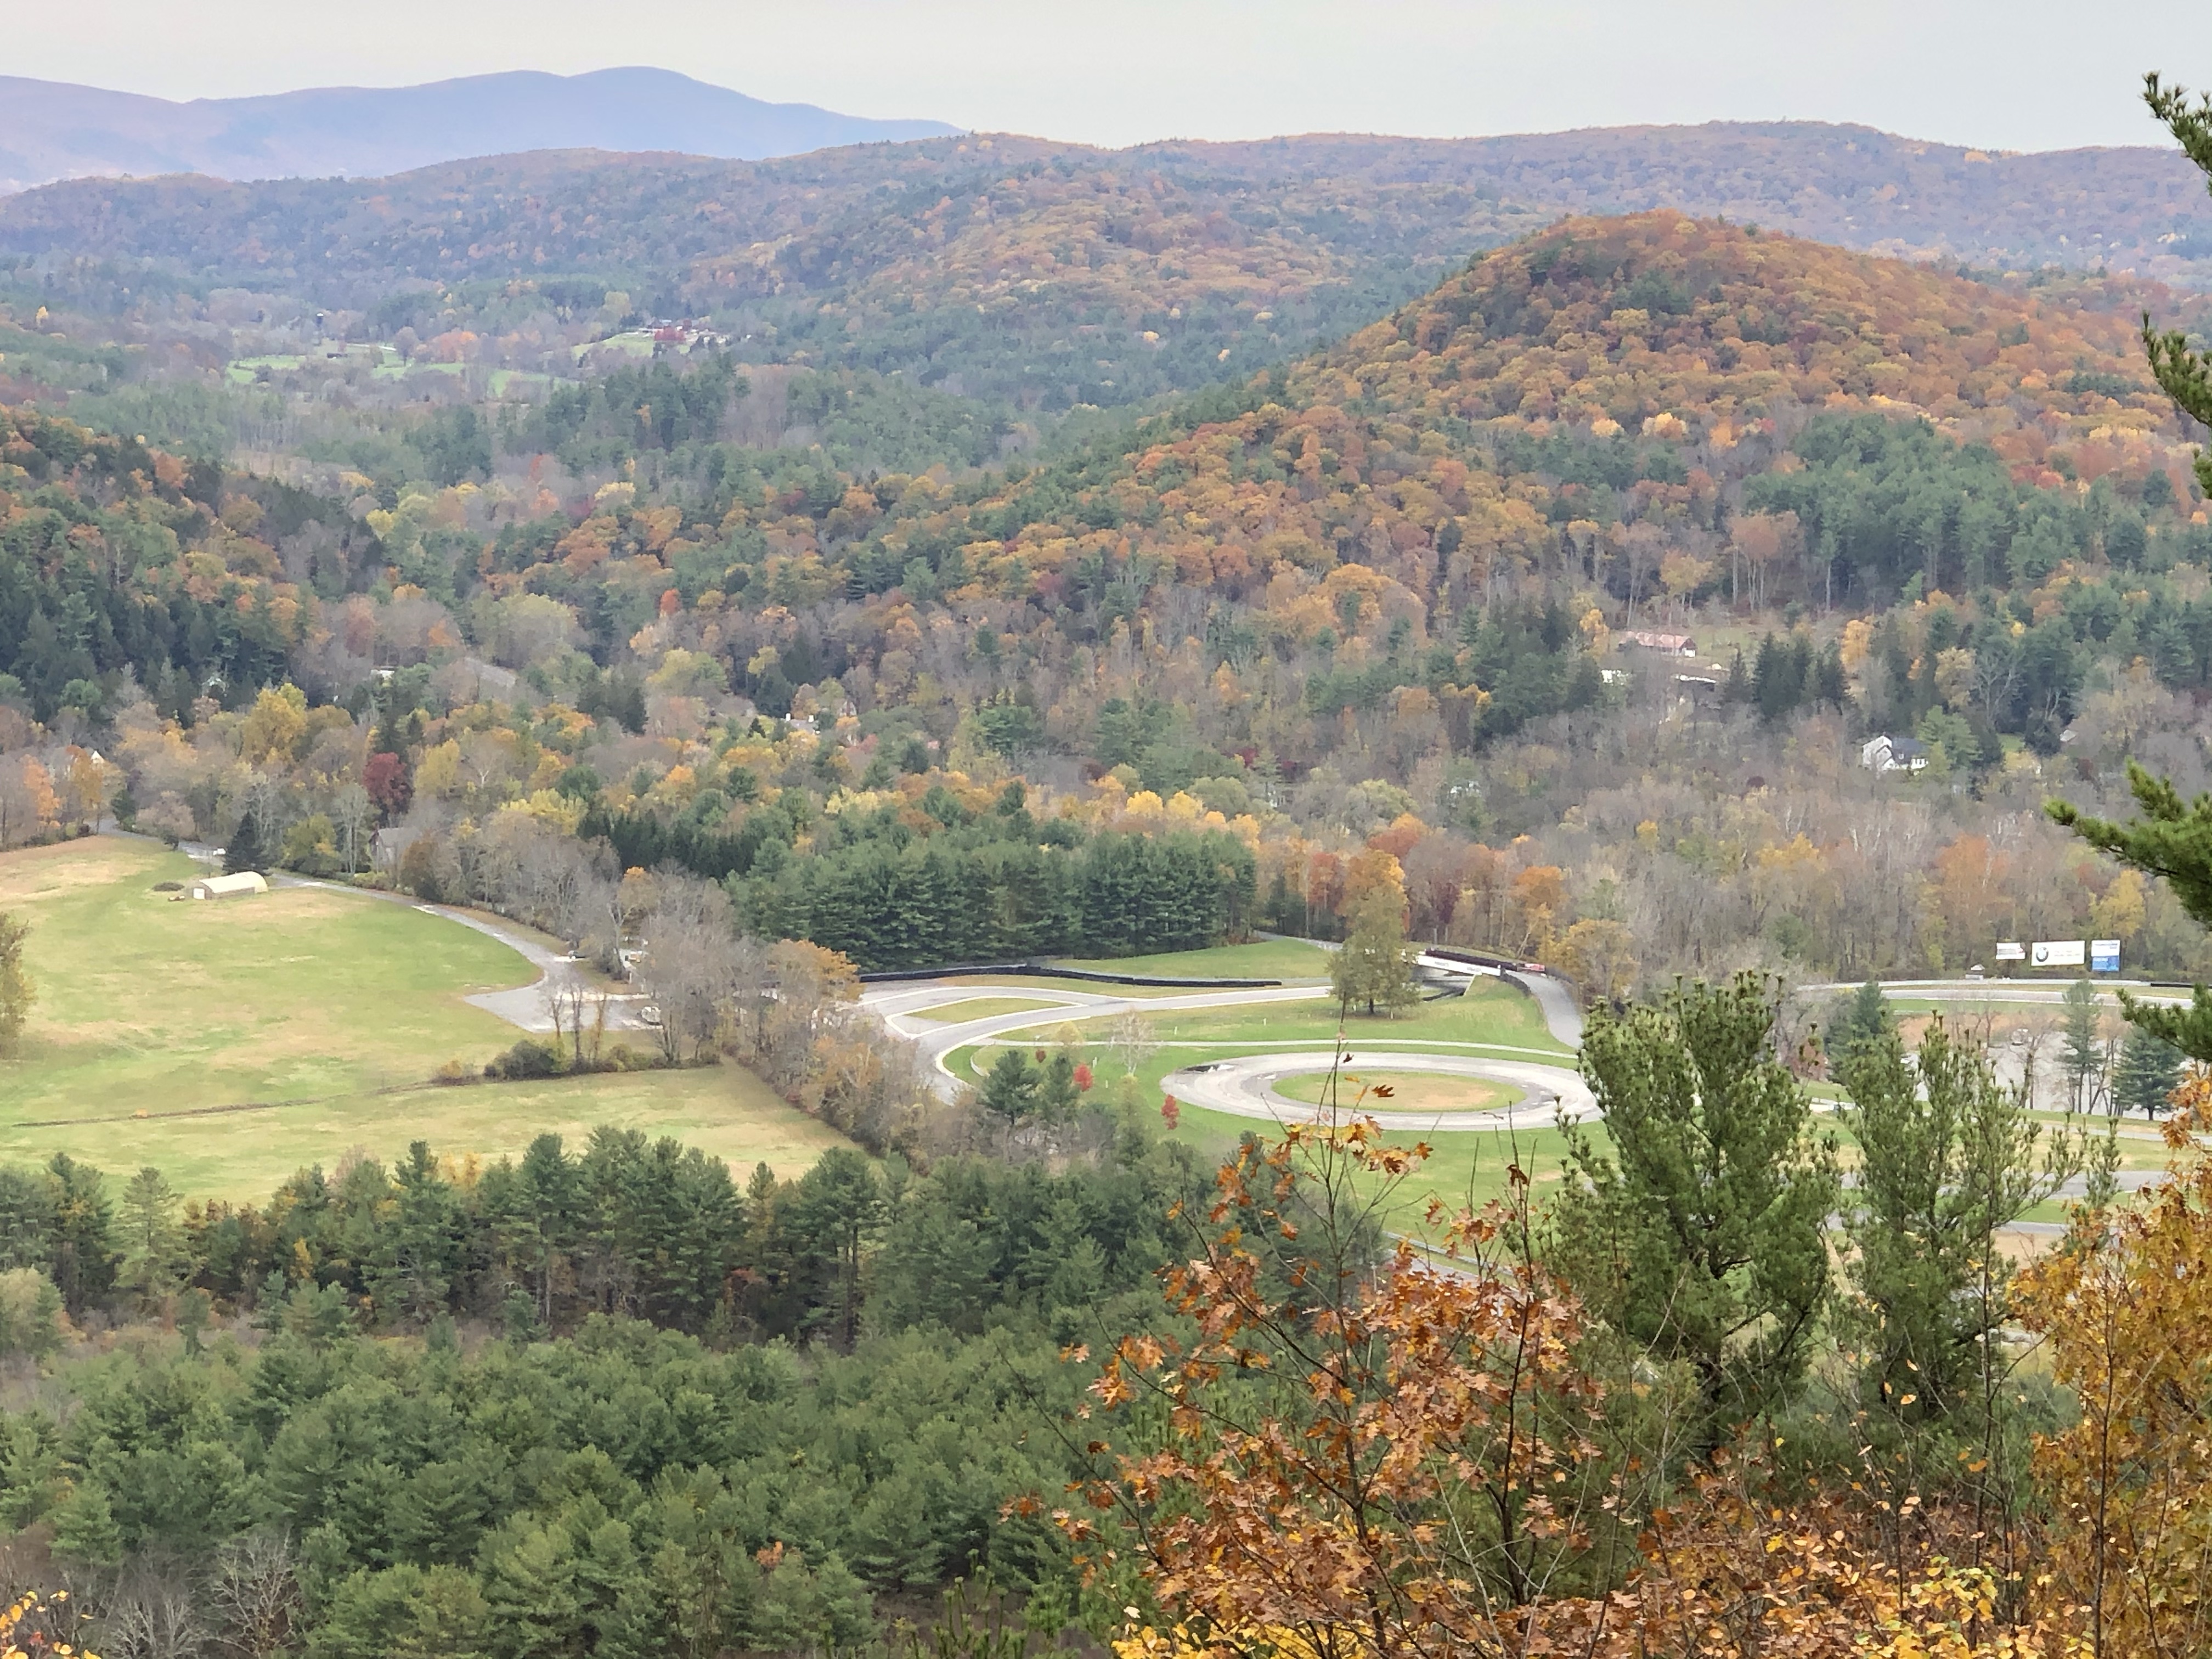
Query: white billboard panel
2059, 953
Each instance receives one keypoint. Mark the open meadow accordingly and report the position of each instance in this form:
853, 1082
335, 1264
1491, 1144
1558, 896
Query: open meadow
230, 1042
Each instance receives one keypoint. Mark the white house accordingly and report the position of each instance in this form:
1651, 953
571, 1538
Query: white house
1887, 754
237, 886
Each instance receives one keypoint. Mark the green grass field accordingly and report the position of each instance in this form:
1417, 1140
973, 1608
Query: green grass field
230, 1042
242, 1156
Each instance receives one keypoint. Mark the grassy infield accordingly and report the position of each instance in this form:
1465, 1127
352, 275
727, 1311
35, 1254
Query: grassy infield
227, 1043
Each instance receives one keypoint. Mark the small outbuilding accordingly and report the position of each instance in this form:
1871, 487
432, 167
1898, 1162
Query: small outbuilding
237, 886
1669, 645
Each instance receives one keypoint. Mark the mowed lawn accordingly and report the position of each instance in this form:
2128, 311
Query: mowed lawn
1489, 1013
230, 1042
242, 1156
959, 1013
145, 1004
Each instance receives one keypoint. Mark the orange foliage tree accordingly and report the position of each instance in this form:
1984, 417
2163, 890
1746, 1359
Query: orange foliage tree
1358, 1452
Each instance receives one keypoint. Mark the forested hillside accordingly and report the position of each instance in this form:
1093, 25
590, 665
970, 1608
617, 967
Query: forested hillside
1382, 601
1013, 269
977, 550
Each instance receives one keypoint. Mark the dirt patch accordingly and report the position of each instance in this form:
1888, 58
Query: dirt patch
1410, 1092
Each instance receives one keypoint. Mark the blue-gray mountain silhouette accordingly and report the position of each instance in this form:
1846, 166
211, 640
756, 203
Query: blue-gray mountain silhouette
49, 130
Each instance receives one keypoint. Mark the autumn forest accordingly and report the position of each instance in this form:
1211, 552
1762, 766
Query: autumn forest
1709, 568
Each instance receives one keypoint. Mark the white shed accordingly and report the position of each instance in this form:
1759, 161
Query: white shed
237, 886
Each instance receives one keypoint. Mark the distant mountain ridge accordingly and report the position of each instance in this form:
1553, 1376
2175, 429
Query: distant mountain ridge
821, 213
51, 131
1048, 276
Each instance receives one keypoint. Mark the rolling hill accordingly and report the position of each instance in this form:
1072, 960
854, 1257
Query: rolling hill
1050, 275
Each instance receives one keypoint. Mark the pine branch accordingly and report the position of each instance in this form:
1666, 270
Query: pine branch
2185, 375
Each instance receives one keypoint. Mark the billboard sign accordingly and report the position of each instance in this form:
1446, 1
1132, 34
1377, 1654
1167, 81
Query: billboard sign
2012, 950
2104, 956
2058, 953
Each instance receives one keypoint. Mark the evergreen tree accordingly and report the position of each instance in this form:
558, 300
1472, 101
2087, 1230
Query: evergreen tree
27, 1219
420, 1248
1858, 1021
2185, 375
2150, 1069
2083, 1055
1010, 1091
2167, 838
153, 1259
1947, 1158
532, 1208
244, 851
85, 1532
1701, 1234
84, 1254
1057, 1097
1830, 682
836, 1208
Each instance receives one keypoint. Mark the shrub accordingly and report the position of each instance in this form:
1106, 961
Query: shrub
528, 1058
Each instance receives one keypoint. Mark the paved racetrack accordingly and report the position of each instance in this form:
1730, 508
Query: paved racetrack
1245, 1088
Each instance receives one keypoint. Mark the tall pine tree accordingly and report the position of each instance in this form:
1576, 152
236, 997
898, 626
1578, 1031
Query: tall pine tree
2168, 838
1699, 1231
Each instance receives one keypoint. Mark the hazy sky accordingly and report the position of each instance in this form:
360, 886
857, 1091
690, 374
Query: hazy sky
2015, 74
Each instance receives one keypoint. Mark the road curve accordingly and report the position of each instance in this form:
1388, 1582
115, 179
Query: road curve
1563, 1015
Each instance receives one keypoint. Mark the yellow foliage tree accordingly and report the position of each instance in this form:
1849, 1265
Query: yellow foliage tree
273, 730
